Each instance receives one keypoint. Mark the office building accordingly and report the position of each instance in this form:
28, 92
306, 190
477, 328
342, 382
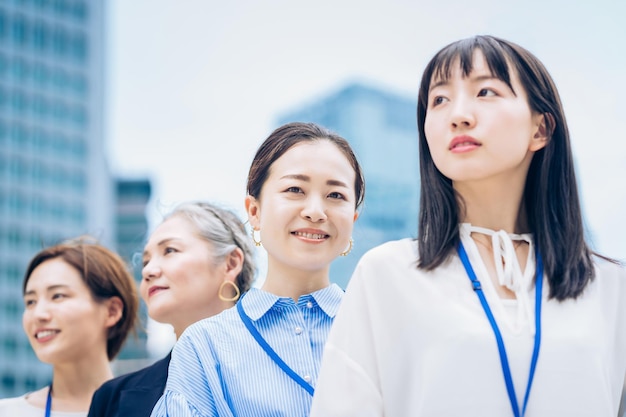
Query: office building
131, 229
54, 180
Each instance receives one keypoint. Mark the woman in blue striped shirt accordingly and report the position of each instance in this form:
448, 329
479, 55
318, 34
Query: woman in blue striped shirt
262, 357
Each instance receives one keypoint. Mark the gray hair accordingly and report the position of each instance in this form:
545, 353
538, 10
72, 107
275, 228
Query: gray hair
223, 229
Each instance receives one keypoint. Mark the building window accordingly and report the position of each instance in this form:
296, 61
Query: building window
59, 41
80, 116
8, 382
19, 101
20, 30
3, 24
40, 107
4, 65
79, 47
80, 10
9, 343
3, 97
41, 36
41, 74
80, 84
60, 79
60, 6
20, 69
18, 135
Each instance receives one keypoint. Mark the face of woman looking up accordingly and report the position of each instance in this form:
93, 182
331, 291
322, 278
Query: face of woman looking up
182, 276
479, 127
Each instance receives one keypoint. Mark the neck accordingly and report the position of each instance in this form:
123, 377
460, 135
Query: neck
190, 315
74, 383
294, 283
496, 206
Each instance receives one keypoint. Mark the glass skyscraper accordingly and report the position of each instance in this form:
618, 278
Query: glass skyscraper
381, 127
54, 181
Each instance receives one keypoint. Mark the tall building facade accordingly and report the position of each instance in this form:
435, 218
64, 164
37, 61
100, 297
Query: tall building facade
54, 181
131, 230
381, 127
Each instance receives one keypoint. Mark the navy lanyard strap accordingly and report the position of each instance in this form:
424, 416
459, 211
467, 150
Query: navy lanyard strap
49, 401
506, 371
272, 354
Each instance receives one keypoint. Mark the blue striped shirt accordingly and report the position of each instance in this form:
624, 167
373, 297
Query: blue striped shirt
219, 369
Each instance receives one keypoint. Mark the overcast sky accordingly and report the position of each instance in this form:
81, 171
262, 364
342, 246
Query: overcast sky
194, 86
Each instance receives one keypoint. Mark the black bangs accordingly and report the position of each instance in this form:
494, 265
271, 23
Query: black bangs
495, 54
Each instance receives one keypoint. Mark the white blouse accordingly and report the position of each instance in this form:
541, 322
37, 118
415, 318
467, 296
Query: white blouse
20, 407
410, 343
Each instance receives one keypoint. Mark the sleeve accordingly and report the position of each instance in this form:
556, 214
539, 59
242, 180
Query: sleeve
348, 384
193, 388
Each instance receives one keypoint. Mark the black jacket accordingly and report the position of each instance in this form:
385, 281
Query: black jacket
131, 395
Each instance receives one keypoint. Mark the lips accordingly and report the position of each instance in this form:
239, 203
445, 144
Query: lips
46, 334
155, 289
463, 143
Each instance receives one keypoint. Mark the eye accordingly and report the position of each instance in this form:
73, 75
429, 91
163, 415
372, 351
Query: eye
294, 189
486, 92
169, 249
336, 195
29, 303
58, 296
437, 100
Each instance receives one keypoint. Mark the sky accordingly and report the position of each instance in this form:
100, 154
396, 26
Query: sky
194, 86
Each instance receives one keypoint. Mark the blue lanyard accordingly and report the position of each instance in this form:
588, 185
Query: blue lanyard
49, 401
272, 354
503, 358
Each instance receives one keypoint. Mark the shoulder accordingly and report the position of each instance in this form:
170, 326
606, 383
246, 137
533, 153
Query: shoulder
201, 339
404, 249
387, 263
16, 406
394, 255
610, 273
212, 326
132, 379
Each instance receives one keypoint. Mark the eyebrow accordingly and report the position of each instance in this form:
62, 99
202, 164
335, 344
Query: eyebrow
474, 79
306, 178
161, 243
50, 288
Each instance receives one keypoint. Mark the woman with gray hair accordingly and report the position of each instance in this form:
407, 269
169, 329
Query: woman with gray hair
196, 264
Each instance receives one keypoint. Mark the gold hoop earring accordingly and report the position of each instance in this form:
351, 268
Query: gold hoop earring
235, 287
257, 243
347, 251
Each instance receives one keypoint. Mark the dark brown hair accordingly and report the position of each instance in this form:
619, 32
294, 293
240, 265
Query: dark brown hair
285, 137
105, 274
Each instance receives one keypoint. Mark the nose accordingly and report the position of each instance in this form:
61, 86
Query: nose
314, 210
151, 270
462, 114
41, 311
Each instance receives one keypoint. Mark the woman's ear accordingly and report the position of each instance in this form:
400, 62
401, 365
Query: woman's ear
234, 263
252, 208
115, 310
544, 128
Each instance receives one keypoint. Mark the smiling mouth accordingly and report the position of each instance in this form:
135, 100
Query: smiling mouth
154, 290
45, 333
316, 236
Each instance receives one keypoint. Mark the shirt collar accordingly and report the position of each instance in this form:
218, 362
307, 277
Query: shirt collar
257, 302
